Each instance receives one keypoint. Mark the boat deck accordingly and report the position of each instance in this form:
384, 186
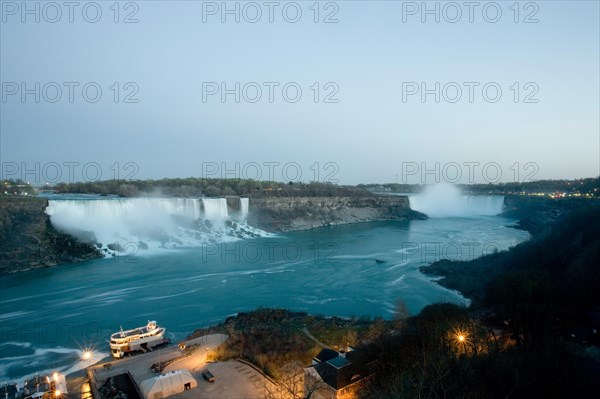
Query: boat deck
132, 333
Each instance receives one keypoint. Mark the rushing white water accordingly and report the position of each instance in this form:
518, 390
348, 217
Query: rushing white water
445, 200
215, 209
149, 223
244, 207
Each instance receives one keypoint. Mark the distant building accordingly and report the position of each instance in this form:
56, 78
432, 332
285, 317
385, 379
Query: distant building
379, 189
334, 375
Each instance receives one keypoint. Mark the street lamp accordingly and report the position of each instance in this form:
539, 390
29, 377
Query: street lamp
87, 355
460, 336
461, 339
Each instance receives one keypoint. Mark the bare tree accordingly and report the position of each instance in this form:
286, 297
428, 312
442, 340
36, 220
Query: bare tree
290, 384
401, 313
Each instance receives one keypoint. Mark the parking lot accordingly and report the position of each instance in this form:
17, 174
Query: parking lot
233, 379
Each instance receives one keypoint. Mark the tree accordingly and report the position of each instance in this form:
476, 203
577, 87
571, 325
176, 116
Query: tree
401, 313
523, 298
290, 384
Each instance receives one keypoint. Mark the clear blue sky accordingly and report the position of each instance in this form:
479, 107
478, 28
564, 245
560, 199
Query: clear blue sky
369, 55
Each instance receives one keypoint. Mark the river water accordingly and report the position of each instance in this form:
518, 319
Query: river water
48, 316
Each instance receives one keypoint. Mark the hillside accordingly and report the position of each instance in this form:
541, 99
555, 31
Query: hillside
531, 331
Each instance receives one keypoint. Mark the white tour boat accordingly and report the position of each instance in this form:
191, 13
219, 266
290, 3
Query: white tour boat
138, 339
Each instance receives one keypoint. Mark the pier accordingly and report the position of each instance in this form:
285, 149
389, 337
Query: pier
234, 379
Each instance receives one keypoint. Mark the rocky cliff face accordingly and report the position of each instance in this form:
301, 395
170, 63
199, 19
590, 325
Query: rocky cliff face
29, 241
536, 214
301, 213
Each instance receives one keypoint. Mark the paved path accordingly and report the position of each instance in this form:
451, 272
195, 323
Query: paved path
197, 359
309, 335
137, 365
233, 380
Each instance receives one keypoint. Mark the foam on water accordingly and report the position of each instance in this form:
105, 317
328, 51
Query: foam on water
13, 315
63, 360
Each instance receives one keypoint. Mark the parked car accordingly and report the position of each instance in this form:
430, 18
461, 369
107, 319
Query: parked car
208, 376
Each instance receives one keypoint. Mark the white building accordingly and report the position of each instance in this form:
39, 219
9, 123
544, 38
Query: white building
167, 384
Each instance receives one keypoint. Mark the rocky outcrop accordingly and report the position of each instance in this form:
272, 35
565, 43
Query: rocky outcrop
29, 241
536, 214
302, 213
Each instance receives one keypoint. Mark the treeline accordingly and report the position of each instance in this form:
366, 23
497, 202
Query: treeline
197, 187
588, 185
531, 331
16, 187
445, 352
565, 257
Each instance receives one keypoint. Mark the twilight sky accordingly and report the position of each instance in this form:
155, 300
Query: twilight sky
367, 111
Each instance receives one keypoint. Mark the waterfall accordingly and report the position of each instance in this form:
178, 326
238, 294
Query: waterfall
215, 209
244, 206
444, 200
149, 222
190, 207
110, 219
484, 204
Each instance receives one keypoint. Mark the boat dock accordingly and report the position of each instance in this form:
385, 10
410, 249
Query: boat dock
130, 371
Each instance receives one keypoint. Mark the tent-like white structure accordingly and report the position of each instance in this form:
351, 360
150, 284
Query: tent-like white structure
168, 384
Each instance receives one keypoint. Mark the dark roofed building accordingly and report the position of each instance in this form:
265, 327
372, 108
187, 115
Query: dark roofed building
325, 355
338, 377
339, 362
8, 391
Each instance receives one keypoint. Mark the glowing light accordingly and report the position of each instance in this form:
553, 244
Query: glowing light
87, 354
460, 337
55, 376
57, 393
